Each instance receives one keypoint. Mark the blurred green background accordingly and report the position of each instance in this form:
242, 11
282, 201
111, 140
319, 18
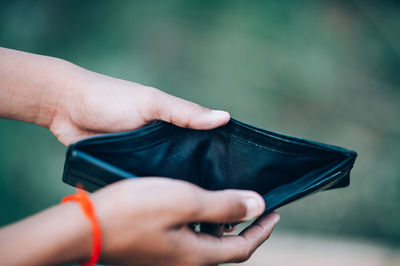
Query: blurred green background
323, 70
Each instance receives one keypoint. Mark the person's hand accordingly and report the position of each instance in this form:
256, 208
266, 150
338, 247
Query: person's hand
144, 222
75, 103
94, 104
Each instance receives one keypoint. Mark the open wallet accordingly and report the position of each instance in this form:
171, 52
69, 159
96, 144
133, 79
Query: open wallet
234, 156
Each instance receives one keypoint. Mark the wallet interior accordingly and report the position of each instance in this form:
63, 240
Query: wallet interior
279, 167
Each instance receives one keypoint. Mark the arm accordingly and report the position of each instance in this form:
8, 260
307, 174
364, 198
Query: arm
30, 86
55, 236
141, 225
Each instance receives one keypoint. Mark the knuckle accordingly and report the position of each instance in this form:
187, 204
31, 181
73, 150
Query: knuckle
259, 229
242, 257
186, 121
240, 210
191, 203
244, 253
152, 93
237, 207
153, 100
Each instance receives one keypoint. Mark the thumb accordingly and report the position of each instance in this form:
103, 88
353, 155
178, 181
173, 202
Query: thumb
227, 206
185, 113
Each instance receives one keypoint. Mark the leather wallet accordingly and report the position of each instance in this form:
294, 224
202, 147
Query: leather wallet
239, 156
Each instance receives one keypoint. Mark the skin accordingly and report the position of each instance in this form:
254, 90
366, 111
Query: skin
143, 221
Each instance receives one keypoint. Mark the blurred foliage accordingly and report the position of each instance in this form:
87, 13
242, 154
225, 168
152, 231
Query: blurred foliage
323, 70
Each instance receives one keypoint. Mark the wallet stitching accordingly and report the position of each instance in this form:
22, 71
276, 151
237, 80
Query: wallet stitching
138, 149
125, 135
268, 148
286, 138
154, 129
176, 135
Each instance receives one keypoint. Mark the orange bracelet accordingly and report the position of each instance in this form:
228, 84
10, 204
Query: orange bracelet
83, 198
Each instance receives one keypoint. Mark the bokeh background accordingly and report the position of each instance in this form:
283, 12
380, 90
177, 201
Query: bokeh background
322, 70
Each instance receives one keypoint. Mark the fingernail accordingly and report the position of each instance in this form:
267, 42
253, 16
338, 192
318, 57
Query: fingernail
254, 208
220, 113
277, 218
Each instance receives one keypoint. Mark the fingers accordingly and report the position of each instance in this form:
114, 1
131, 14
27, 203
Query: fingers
184, 113
224, 206
239, 248
260, 230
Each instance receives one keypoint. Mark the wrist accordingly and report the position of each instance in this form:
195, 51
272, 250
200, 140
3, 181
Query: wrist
57, 90
87, 207
76, 238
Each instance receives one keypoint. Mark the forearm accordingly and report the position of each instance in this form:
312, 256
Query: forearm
31, 86
58, 235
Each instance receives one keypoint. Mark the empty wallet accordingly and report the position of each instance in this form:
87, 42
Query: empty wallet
234, 156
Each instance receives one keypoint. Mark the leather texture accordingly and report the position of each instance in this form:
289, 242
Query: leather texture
279, 167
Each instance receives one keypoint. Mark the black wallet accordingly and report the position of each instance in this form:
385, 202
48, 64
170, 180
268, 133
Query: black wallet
239, 156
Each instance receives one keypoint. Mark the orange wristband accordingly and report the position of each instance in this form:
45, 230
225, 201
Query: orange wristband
83, 198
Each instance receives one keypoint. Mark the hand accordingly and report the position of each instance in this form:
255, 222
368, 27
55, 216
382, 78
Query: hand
144, 222
75, 103
95, 104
